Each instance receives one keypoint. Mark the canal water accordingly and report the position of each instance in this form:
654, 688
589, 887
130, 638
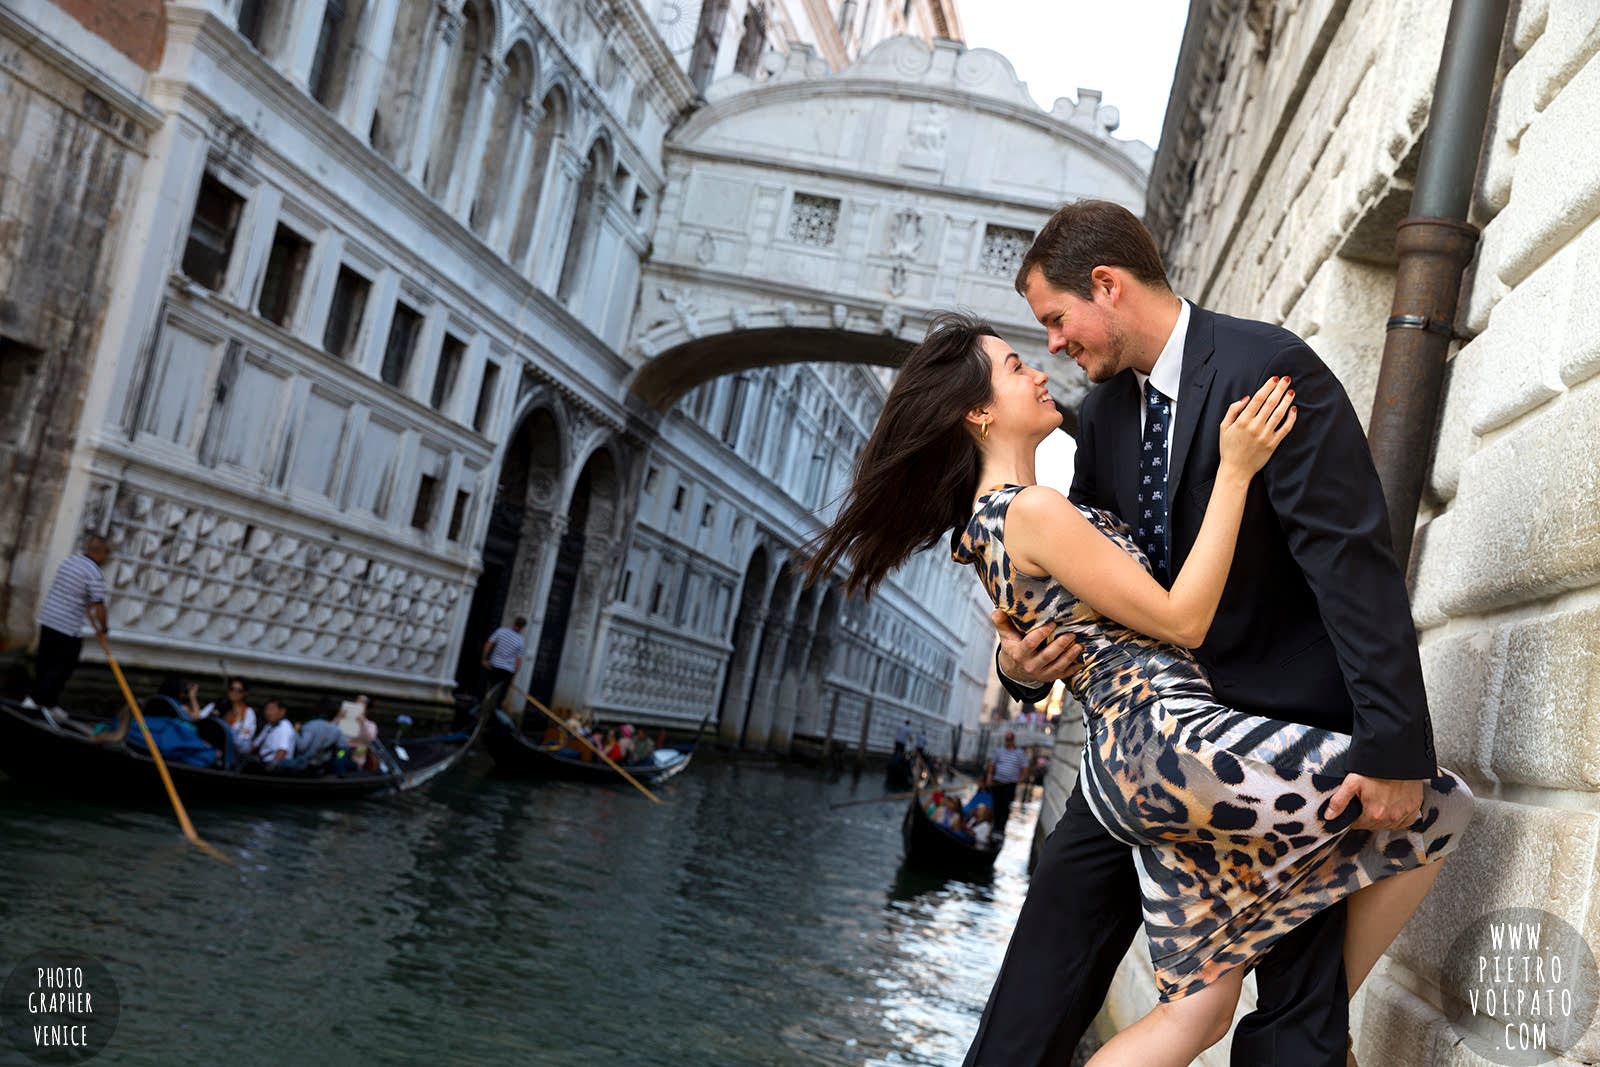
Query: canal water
493, 921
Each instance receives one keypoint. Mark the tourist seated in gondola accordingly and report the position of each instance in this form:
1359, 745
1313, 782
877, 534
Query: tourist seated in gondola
275, 743
319, 742
625, 743
236, 711
644, 747
172, 726
611, 746
981, 826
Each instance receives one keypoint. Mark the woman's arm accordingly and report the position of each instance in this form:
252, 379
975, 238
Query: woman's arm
1046, 534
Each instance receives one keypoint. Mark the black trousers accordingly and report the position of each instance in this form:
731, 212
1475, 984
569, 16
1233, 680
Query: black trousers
493, 676
1005, 794
58, 658
1081, 914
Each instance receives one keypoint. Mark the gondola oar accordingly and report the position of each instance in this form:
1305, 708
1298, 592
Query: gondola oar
155, 754
584, 741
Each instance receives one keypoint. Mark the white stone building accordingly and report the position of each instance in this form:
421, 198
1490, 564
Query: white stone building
414, 316
1291, 143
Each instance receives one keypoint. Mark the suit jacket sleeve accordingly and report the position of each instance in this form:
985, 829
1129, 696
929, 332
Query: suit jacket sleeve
1325, 490
1082, 492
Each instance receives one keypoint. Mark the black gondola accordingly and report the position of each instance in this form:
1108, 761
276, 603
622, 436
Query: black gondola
516, 753
37, 752
931, 847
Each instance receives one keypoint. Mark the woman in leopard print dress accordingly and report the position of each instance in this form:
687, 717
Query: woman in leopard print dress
1226, 812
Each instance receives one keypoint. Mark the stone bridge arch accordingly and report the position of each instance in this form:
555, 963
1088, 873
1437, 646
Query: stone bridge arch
815, 216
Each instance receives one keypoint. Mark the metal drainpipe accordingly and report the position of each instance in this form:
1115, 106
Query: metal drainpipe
1433, 246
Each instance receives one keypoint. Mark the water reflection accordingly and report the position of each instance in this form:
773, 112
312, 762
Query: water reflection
493, 921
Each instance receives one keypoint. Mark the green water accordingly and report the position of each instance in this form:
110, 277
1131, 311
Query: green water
493, 921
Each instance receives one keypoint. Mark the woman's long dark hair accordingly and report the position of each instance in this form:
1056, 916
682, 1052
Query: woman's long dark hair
918, 473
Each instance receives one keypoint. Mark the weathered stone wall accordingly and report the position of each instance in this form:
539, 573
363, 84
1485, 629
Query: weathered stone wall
72, 142
1302, 128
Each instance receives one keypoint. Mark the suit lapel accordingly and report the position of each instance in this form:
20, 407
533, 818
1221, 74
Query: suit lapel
1193, 386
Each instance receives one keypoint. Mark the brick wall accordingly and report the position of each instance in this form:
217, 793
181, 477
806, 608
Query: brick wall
136, 28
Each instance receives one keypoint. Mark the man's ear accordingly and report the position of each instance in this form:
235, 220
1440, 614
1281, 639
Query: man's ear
1105, 285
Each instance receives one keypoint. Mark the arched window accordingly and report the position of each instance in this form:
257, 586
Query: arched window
400, 94
462, 75
585, 219
338, 43
504, 138
264, 24
552, 123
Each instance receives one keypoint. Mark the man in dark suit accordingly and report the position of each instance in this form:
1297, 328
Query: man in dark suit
1314, 625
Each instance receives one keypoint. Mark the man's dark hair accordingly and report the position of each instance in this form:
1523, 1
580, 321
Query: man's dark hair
519, 622
1087, 234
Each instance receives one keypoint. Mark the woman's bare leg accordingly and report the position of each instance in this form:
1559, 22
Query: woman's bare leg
1172, 1035
1374, 917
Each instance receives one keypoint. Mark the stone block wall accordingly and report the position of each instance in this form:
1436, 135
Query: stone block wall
1297, 180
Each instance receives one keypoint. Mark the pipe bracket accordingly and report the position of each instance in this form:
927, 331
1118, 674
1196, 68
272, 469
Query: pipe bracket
1422, 322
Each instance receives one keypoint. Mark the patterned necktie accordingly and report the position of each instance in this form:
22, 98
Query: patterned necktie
1153, 480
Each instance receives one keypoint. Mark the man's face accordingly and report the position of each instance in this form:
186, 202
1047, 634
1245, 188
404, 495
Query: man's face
1011, 740
1087, 331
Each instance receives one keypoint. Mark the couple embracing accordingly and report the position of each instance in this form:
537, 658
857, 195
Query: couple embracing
1258, 788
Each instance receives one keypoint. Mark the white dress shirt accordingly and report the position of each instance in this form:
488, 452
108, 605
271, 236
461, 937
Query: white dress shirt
1167, 372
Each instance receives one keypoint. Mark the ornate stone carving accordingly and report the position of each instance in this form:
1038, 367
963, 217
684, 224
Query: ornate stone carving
203, 577
705, 250
839, 315
648, 673
891, 319
813, 220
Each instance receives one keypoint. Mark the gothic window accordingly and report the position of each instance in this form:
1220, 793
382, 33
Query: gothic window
402, 342
1003, 249
444, 378
211, 232
286, 267
485, 405
813, 220
344, 316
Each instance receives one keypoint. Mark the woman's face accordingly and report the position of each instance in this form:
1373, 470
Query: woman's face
1020, 404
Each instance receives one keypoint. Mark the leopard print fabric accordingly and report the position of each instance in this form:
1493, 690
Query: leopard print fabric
1224, 810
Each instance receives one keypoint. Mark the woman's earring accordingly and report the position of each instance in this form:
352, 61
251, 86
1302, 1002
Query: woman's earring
983, 432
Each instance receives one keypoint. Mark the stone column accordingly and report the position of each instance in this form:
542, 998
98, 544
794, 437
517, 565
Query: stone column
572, 677
530, 576
769, 672
366, 68
500, 228
442, 38
300, 42
478, 121
789, 690
736, 694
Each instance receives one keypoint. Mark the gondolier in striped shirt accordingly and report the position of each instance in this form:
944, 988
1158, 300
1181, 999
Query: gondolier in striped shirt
78, 592
1006, 768
502, 654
